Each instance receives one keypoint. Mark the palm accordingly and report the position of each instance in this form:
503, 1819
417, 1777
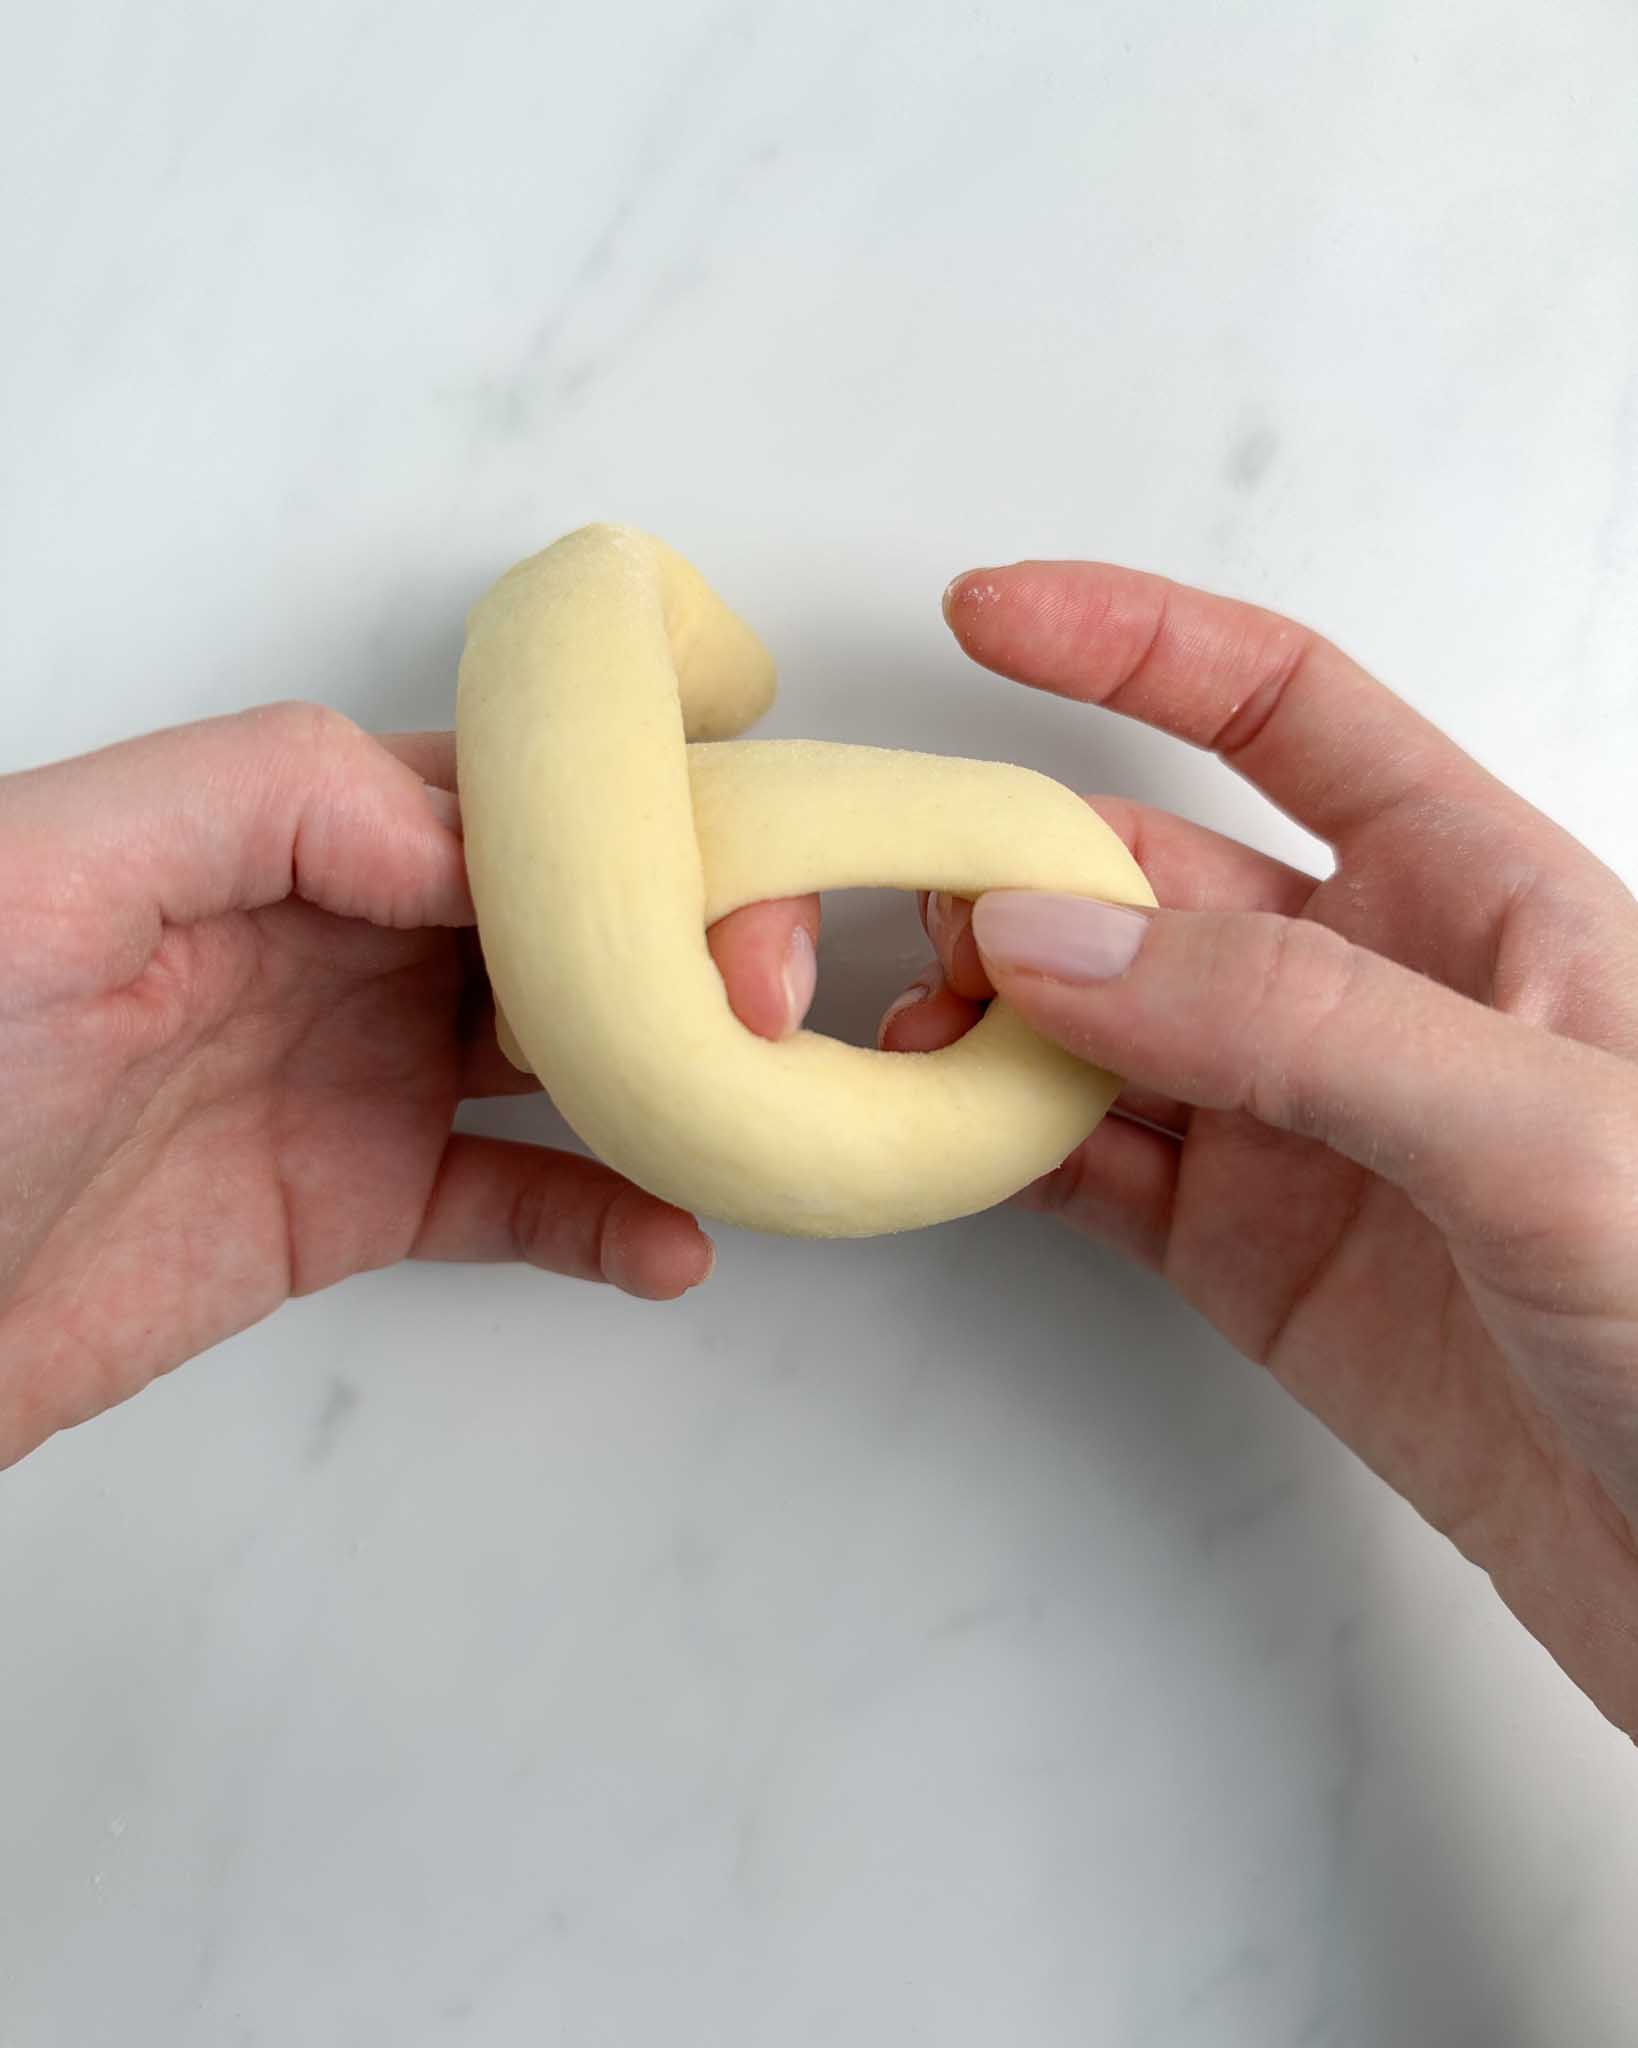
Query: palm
272, 1121
1333, 1278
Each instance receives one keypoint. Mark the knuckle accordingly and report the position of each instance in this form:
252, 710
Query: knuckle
305, 728
1279, 667
612, 1260
1304, 977
530, 1225
1304, 970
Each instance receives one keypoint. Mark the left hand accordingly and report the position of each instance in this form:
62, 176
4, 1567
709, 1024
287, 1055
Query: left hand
241, 1001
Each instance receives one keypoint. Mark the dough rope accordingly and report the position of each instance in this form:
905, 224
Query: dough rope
610, 818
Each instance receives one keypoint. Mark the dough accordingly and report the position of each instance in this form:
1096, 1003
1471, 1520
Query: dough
600, 846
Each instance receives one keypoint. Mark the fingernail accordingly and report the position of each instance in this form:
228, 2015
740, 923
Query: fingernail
1070, 938
943, 925
980, 593
445, 806
710, 1261
917, 992
800, 975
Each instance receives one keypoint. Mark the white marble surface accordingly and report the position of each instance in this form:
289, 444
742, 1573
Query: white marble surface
936, 1641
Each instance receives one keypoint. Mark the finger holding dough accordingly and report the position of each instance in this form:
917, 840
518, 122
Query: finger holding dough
928, 1015
767, 955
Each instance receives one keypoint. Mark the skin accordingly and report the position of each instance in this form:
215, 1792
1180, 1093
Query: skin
1382, 1129
242, 1003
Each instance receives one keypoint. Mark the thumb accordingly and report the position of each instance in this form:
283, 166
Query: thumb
1492, 1127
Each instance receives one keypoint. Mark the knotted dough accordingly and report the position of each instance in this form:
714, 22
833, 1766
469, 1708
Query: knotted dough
610, 818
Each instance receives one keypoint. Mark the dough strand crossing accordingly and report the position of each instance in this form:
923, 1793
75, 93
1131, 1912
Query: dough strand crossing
611, 815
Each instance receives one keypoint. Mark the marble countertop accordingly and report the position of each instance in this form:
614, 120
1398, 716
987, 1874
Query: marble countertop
943, 1640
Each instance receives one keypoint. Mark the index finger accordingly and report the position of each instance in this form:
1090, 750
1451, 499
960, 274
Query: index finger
1326, 742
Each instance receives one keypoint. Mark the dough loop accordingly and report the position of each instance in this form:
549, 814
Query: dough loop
610, 818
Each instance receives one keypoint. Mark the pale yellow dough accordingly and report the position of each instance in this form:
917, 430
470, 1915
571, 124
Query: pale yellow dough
600, 846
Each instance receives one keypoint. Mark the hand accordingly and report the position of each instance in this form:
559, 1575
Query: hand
1382, 1129
240, 1005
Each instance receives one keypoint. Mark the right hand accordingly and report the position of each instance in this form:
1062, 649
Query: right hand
1389, 1121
